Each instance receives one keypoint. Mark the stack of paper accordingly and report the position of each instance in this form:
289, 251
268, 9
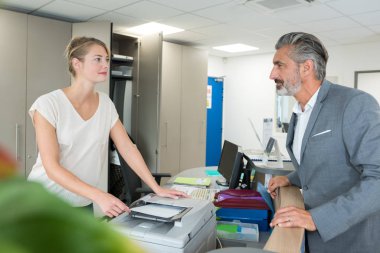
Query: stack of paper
193, 181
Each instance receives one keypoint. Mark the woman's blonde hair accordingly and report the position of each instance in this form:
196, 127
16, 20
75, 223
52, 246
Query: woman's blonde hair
79, 47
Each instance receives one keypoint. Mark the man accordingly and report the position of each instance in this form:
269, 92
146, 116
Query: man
334, 143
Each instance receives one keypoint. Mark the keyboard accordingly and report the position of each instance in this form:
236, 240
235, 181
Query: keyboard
204, 194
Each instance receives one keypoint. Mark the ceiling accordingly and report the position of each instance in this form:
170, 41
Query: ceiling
209, 23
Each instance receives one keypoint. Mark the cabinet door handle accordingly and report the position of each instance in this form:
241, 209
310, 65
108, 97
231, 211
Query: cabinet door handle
166, 134
17, 155
202, 133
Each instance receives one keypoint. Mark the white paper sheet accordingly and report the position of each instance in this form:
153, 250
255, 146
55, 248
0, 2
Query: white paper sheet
160, 211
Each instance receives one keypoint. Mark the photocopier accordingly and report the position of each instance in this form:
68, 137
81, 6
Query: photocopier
160, 224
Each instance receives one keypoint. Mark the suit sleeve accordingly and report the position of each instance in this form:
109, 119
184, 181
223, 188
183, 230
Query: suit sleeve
294, 179
361, 136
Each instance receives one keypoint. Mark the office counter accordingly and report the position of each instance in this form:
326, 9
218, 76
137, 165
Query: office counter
281, 240
273, 170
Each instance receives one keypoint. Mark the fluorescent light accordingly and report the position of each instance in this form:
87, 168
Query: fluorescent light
235, 48
153, 27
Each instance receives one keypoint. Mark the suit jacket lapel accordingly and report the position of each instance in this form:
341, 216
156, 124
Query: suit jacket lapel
314, 114
290, 137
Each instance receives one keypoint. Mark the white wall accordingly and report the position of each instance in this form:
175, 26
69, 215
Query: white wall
248, 92
215, 66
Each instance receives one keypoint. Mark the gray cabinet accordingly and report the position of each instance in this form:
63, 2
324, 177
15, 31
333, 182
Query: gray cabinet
47, 69
32, 64
193, 107
13, 29
182, 108
170, 109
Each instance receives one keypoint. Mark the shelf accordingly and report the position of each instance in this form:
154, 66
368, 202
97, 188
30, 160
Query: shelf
121, 77
121, 58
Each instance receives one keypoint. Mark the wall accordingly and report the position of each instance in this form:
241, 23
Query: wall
215, 66
248, 92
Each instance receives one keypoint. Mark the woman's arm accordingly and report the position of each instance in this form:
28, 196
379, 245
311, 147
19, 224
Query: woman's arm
133, 157
49, 152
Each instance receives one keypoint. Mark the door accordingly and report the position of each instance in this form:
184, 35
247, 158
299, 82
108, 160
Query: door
170, 116
13, 33
44, 55
150, 56
193, 108
214, 120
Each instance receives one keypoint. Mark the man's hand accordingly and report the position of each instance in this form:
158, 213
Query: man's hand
276, 182
292, 217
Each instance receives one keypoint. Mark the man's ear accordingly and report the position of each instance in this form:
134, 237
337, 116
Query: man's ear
307, 68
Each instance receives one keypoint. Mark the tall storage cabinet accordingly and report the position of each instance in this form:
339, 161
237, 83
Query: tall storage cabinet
47, 69
13, 29
31, 65
183, 108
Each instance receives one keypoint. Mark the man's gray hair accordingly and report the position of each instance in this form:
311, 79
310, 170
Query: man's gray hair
306, 46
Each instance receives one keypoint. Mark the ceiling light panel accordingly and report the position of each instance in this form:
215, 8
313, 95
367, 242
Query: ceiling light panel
235, 48
153, 27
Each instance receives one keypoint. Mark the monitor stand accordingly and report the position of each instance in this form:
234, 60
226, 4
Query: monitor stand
222, 182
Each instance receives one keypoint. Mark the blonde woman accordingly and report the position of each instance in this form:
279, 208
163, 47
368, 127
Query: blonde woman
73, 126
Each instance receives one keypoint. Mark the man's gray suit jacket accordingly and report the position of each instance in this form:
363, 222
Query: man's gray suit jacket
339, 171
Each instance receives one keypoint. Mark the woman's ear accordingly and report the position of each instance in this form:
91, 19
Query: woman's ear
76, 63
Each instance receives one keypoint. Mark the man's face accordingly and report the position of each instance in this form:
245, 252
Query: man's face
285, 73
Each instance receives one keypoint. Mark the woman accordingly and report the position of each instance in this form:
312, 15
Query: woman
73, 126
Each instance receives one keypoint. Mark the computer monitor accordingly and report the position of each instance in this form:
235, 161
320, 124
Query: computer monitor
229, 164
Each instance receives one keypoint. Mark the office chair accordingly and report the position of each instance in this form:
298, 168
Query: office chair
132, 182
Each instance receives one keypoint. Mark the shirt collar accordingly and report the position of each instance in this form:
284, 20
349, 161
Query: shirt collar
309, 106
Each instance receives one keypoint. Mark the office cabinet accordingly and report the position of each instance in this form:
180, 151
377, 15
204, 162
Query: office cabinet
32, 65
47, 69
182, 108
13, 29
193, 107
170, 113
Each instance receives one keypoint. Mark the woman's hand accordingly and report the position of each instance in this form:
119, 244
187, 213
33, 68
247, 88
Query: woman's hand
170, 193
110, 205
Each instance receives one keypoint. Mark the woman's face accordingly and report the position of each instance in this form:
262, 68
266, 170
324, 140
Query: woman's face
95, 65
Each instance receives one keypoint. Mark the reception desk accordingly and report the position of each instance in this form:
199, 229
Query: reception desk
282, 240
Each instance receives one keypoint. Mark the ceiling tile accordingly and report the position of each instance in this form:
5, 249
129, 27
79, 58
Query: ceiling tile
185, 36
223, 30
375, 28
329, 24
188, 21
257, 21
225, 12
148, 10
350, 7
356, 40
24, 5
369, 18
186, 5
348, 34
277, 32
69, 10
104, 5
119, 20
308, 14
